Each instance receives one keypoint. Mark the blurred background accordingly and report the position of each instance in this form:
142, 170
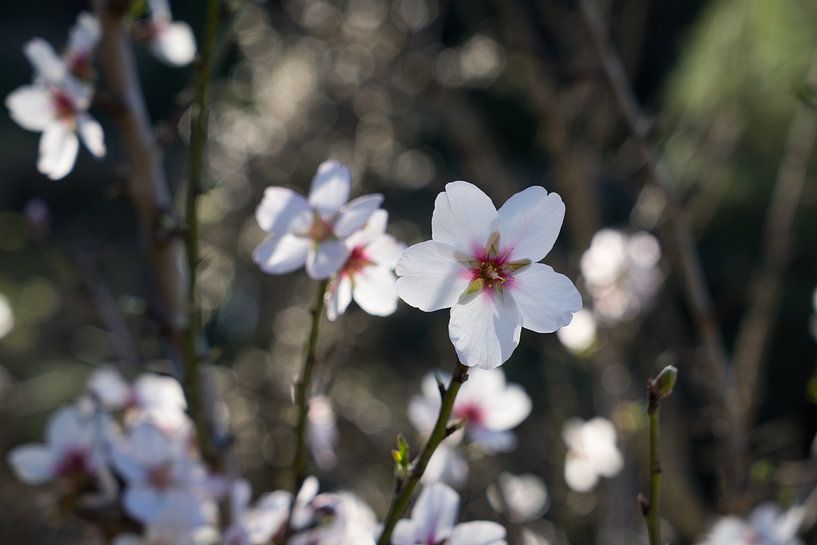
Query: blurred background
412, 94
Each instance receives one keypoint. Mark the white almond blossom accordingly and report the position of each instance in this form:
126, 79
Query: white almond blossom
592, 452
172, 42
159, 471
433, 521
74, 448
368, 274
521, 497
56, 105
487, 406
483, 264
767, 525
312, 230
621, 272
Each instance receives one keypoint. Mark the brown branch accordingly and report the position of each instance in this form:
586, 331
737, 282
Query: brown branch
765, 287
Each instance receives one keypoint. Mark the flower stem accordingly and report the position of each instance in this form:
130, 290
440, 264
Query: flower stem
299, 462
654, 506
198, 142
406, 487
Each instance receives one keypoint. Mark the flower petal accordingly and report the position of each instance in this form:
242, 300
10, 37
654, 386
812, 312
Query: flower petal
354, 215
91, 133
68, 429
31, 107
404, 533
282, 211
33, 464
579, 474
485, 329
84, 34
325, 260
174, 44
507, 409
338, 297
463, 217
373, 230
430, 277
546, 299
529, 223
281, 254
434, 513
375, 290
478, 533
330, 188
385, 251
45, 60
143, 503
58, 151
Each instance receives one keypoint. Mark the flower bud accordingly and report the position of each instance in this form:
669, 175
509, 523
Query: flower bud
663, 384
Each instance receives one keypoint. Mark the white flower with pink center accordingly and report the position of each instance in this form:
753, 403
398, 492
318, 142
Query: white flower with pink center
368, 274
433, 521
483, 264
592, 452
312, 231
56, 104
74, 448
172, 42
767, 525
487, 406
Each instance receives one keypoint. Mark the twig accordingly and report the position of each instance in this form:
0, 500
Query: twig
400, 501
299, 462
758, 322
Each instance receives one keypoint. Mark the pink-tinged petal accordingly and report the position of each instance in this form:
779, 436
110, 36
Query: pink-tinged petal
84, 34
404, 533
463, 217
45, 60
373, 230
338, 297
33, 464
91, 134
385, 251
507, 409
282, 211
375, 291
31, 107
430, 276
485, 329
174, 44
478, 533
68, 429
325, 260
330, 188
529, 223
58, 151
282, 255
435, 513
354, 215
546, 299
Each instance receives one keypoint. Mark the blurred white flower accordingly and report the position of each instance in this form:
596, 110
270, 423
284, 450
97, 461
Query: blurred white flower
330, 519
433, 521
74, 448
322, 431
368, 274
6, 316
767, 525
447, 465
483, 264
160, 471
171, 42
82, 40
522, 497
621, 273
313, 230
177, 524
56, 104
255, 525
592, 452
488, 407
579, 335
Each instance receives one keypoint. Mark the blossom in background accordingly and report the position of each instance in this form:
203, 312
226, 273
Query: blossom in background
177, 524
483, 264
579, 336
159, 471
621, 273
6, 316
322, 432
767, 525
521, 497
488, 407
82, 40
368, 274
255, 525
448, 465
433, 521
56, 104
592, 452
74, 448
312, 230
172, 42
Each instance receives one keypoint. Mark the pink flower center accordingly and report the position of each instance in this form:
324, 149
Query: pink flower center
320, 230
63, 105
471, 413
161, 477
491, 269
80, 66
357, 261
74, 463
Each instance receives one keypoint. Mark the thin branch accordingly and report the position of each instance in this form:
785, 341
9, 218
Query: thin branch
766, 284
401, 500
658, 388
